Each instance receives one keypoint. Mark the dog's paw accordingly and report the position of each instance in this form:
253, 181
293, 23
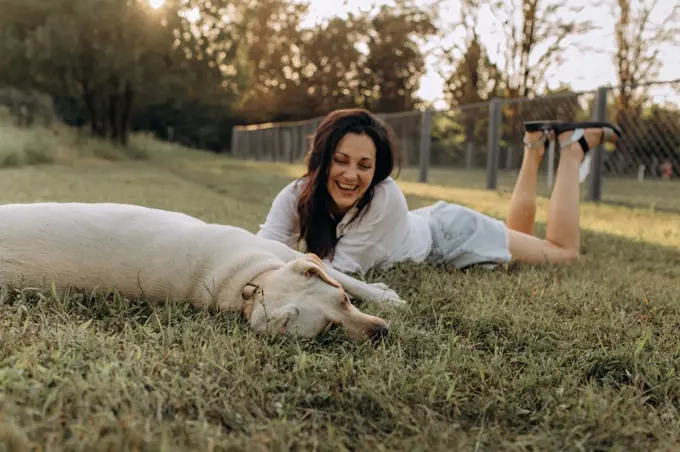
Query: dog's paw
379, 285
391, 297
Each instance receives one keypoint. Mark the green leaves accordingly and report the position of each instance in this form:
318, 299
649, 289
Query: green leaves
112, 63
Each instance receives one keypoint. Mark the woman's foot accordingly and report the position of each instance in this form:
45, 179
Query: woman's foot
587, 138
577, 143
535, 144
586, 134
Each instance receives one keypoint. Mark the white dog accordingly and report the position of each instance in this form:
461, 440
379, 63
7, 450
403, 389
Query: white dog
159, 255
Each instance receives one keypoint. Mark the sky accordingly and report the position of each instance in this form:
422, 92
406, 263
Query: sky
582, 70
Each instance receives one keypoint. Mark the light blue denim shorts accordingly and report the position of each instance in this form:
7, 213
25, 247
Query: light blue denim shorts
462, 237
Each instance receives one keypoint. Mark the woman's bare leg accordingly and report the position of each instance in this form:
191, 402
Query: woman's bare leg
523, 201
563, 237
564, 211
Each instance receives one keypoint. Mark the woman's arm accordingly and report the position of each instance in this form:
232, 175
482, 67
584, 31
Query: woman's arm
377, 292
281, 222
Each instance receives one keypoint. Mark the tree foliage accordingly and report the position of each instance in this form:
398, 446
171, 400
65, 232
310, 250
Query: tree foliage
395, 63
639, 39
191, 69
118, 65
109, 56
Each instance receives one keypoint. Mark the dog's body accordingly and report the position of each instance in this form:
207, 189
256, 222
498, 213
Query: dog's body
159, 255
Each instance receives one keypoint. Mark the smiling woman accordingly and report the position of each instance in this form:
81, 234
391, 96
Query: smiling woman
155, 4
349, 211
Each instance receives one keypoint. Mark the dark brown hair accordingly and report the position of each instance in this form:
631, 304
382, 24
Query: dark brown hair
317, 225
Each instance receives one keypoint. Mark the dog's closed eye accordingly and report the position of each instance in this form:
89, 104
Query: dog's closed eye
346, 302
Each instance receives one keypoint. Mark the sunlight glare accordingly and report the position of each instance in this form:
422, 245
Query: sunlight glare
155, 4
192, 15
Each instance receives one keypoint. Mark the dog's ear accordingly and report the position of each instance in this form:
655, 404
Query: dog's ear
313, 266
277, 320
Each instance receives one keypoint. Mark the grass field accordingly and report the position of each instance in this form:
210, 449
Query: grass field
663, 195
526, 358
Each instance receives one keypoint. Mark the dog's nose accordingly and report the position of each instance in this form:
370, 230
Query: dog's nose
380, 332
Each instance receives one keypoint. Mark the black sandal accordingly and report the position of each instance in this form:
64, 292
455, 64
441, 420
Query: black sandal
609, 131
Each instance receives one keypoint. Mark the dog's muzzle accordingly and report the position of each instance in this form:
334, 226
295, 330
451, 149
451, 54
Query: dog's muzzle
380, 333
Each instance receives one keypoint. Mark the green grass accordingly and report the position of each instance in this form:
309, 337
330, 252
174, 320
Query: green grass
651, 193
526, 358
42, 145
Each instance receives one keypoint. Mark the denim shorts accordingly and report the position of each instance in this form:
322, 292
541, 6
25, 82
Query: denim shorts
462, 237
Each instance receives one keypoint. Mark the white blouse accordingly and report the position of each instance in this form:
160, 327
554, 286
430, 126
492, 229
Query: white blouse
385, 234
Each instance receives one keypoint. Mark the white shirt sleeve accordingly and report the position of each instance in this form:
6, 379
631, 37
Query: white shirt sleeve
367, 241
281, 221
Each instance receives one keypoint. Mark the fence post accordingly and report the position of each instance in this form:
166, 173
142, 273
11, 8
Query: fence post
550, 172
234, 142
245, 146
493, 144
309, 136
596, 164
469, 154
425, 142
276, 141
299, 140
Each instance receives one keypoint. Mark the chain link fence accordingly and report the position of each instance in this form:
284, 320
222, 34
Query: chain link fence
480, 145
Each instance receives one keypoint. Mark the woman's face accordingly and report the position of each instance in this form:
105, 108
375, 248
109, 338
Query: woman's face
351, 171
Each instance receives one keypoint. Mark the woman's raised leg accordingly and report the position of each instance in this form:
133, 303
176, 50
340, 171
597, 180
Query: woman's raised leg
522, 211
563, 233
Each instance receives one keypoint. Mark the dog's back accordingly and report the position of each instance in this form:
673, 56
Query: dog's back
138, 250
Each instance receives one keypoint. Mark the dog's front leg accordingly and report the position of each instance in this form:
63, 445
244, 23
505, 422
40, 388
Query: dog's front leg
378, 292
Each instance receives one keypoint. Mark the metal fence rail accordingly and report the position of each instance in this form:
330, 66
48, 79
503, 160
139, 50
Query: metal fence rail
482, 143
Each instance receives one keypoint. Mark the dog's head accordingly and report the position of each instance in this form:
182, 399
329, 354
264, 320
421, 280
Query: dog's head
302, 298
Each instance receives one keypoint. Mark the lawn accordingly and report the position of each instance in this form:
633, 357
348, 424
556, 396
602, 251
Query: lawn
572, 358
652, 193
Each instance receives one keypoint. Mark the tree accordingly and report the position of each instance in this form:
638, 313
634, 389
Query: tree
110, 55
535, 35
638, 43
394, 61
331, 65
271, 51
471, 79
372, 59
639, 39
323, 71
83, 48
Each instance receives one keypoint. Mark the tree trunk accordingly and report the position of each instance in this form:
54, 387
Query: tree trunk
88, 99
114, 112
104, 126
126, 113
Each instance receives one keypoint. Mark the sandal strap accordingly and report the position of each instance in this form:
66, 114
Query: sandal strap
577, 137
543, 139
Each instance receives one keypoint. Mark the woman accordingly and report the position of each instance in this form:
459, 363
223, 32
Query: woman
352, 214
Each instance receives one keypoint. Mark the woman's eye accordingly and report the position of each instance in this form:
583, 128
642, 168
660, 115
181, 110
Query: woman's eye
343, 162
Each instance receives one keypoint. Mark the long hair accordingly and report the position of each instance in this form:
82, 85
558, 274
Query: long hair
317, 225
